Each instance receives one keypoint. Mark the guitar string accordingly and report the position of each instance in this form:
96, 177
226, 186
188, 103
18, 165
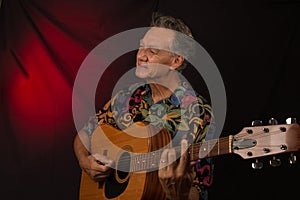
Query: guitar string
223, 143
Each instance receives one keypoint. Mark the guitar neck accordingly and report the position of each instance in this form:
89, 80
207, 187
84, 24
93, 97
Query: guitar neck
205, 149
211, 148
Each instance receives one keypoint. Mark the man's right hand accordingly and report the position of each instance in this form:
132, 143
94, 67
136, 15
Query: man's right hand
97, 166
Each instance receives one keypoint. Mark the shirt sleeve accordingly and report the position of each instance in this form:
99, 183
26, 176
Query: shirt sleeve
104, 115
90, 125
108, 114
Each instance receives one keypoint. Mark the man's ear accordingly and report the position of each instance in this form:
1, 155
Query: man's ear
177, 61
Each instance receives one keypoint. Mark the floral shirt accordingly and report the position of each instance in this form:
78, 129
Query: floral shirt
184, 113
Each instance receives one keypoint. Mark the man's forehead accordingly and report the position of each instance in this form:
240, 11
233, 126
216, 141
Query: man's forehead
159, 37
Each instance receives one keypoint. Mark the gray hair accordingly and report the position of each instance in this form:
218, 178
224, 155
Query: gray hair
181, 43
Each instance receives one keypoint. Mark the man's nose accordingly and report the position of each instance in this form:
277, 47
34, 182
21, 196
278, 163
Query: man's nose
142, 54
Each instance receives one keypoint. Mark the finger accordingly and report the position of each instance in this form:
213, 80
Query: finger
184, 159
99, 172
171, 165
101, 176
172, 158
97, 168
103, 160
194, 162
163, 159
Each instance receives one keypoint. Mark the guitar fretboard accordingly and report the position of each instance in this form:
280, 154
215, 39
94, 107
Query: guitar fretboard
205, 149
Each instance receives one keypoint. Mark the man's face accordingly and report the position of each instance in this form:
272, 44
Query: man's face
153, 59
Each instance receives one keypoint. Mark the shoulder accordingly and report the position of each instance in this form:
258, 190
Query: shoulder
189, 96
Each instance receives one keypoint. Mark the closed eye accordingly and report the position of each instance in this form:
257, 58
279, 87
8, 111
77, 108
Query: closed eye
154, 51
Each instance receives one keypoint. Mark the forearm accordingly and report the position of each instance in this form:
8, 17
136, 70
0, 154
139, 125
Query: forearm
81, 147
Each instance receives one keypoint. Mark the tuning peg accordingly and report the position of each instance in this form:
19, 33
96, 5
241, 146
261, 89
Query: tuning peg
273, 121
256, 123
275, 162
292, 159
291, 120
257, 164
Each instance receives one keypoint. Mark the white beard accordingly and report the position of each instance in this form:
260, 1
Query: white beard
152, 71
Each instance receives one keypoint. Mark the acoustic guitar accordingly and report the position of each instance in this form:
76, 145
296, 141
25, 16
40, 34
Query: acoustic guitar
136, 152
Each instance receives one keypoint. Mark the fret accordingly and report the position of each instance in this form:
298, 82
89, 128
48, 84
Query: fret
142, 162
204, 149
132, 164
211, 148
153, 160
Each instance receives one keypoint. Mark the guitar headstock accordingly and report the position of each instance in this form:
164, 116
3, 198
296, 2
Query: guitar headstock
259, 140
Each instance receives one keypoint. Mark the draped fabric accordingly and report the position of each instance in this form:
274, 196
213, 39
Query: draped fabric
254, 44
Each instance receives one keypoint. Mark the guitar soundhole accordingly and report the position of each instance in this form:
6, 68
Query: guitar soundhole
123, 165
117, 182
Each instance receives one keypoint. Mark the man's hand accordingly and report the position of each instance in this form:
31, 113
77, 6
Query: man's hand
175, 177
98, 167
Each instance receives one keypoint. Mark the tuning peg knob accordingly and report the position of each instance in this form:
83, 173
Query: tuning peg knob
291, 120
273, 121
257, 164
292, 159
256, 123
275, 162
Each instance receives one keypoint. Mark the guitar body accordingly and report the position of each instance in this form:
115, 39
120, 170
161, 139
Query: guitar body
123, 184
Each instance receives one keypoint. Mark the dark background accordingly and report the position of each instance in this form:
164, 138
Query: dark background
255, 45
